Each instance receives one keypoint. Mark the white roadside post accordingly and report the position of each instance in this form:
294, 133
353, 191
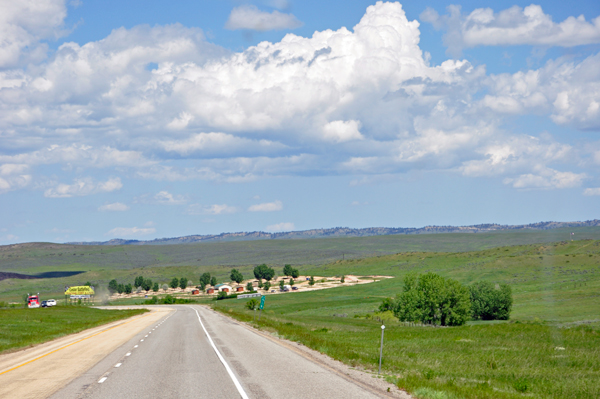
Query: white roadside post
381, 348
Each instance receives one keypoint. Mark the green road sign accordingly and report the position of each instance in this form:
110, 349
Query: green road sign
262, 302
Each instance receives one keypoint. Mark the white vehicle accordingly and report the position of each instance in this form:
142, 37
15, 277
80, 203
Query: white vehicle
51, 302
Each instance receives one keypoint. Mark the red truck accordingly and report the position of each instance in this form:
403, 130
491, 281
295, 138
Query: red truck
33, 301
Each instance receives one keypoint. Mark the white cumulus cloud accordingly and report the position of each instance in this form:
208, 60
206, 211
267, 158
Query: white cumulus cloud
83, 187
513, 26
592, 191
130, 231
216, 209
23, 24
267, 207
114, 207
340, 131
284, 226
250, 17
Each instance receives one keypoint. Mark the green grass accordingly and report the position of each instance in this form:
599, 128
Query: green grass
26, 327
556, 305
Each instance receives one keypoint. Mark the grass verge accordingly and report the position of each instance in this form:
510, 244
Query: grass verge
514, 359
20, 328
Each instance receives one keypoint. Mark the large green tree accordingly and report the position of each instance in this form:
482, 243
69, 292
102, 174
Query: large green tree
174, 283
236, 276
147, 284
139, 281
264, 272
205, 278
183, 283
112, 286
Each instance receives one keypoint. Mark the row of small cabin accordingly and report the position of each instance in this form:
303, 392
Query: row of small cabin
224, 288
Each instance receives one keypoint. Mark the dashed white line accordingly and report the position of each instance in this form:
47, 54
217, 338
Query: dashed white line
101, 380
136, 346
141, 340
118, 364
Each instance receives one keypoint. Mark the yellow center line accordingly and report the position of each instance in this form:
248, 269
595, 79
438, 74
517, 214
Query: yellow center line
72, 343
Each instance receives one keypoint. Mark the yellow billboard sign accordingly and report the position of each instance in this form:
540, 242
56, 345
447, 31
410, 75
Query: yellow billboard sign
80, 290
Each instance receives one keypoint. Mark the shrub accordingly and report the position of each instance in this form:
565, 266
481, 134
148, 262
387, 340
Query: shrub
292, 281
491, 302
165, 287
287, 270
174, 282
183, 283
267, 285
432, 299
387, 305
343, 279
236, 276
120, 288
221, 295
249, 286
128, 288
213, 281
264, 272
168, 299
252, 304
295, 273
155, 288
311, 281
281, 284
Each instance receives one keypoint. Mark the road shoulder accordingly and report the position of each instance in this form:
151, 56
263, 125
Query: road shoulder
366, 380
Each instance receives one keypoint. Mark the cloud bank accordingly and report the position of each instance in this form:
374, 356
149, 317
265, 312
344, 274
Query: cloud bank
361, 102
251, 18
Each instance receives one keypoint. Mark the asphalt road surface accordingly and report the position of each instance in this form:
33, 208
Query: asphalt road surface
195, 352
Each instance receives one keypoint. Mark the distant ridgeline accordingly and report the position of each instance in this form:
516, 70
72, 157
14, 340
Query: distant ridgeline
345, 232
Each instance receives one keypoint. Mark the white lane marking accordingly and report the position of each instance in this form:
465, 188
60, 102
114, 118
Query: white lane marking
101, 380
128, 354
136, 346
141, 340
118, 364
146, 336
231, 375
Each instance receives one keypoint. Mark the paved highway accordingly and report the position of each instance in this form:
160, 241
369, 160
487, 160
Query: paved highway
197, 353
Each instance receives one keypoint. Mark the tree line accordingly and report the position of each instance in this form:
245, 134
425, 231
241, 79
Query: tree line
432, 299
261, 272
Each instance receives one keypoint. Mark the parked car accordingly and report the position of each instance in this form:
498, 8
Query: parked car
44, 304
51, 302
295, 288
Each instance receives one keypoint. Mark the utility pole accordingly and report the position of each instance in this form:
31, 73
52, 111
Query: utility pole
381, 348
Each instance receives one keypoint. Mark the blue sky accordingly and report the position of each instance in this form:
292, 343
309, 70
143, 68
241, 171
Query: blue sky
146, 119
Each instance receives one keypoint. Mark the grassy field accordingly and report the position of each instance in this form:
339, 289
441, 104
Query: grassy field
550, 348
100, 264
25, 327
